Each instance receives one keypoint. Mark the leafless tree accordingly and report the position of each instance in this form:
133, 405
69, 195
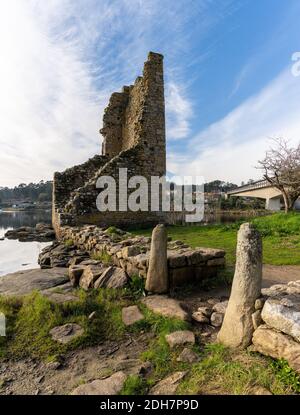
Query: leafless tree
281, 167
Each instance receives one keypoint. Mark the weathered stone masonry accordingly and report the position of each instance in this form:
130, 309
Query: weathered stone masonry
185, 265
134, 138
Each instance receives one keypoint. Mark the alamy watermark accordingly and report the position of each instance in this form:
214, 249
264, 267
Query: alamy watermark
154, 194
2, 325
296, 65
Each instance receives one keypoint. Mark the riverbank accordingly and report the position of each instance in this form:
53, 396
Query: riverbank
280, 232
66, 340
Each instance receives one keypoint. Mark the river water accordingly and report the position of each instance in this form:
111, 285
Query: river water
15, 255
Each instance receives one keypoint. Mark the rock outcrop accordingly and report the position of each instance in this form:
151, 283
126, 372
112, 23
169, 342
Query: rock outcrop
109, 386
42, 232
165, 306
273, 343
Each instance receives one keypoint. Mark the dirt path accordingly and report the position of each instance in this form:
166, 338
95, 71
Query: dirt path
34, 377
280, 274
272, 274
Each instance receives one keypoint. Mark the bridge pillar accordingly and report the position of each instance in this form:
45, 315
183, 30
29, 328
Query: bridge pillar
273, 204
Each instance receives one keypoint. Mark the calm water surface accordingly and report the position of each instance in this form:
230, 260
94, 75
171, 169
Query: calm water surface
15, 255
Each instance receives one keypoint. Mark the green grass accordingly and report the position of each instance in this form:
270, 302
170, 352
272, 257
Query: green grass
102, 256
219, 371
30, 321
159, 354
280, 232
224, 371
134, 385
69, 242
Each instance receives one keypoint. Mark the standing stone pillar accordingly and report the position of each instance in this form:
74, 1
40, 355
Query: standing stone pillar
157, 275
237, 327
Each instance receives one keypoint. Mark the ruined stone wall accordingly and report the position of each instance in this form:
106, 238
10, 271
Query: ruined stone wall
137, 116
65, 183
131, 253
134, 138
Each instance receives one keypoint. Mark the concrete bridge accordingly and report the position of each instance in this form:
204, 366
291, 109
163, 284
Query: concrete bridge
261, 189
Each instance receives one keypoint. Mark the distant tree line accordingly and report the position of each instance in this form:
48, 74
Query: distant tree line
219, 186
34, 192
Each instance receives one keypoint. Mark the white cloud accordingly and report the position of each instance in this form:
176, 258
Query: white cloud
179, 112
60, 60
230, 148
49, 109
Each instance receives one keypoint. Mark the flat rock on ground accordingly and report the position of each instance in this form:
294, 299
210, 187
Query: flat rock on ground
277, 345
66, 333
131, 315
180, 338
61, 294
77, 366
24, 282
167, 307
109, 386
169, 385
188, 356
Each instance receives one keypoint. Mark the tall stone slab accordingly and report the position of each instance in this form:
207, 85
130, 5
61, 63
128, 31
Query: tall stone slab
237, 328
157, 277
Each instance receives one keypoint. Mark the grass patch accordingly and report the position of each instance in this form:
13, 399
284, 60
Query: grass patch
286, 375
225, 371
134, 385
280, 232
30, 321
69, 242
102, 256
135, 287
159, 354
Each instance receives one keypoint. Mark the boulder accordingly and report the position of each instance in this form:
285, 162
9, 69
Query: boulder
129, 251
293, 287
169, 385
200, 317
180, 338
259, 303
283, 315
188, 356
118, 278
66, 333
131, 315
75, 273
165, 306
220, 307
109, 386
275, 290
216, 319
237, 328
207, 311
256, 319
157, 276
112, 277
259, 390
90, 274
272, 343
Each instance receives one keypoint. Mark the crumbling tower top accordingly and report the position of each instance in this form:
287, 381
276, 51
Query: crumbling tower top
136, 116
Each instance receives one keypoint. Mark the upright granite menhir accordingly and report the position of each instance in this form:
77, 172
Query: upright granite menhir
134, 138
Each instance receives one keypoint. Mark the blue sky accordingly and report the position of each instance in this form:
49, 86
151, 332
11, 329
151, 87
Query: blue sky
229, 85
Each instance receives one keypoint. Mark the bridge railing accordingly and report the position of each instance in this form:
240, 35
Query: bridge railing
251, 186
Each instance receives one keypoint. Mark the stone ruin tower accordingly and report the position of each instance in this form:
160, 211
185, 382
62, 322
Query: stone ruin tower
133, 138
